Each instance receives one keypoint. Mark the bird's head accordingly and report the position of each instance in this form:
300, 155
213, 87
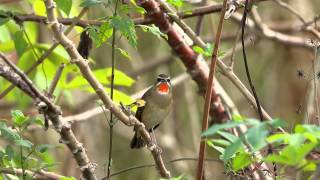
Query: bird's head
163, 84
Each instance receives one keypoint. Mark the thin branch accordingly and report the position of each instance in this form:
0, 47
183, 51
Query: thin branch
244, 19
111, 121
198, 11
268, 33
41, 174
167, 162
315, 82
82, 64
53, 112
210, 94
225, 70
297, 14
47, 53
55, 80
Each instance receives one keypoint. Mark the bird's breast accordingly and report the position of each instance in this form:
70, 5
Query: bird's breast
154, 114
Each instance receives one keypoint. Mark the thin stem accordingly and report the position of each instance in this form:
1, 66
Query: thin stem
22, 163
152, 165
209, 93
111, 123
316, 100
244, 18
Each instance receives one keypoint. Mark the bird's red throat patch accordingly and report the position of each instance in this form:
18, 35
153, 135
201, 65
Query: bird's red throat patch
163, 88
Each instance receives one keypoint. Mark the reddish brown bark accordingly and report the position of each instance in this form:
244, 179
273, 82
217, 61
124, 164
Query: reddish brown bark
197, 68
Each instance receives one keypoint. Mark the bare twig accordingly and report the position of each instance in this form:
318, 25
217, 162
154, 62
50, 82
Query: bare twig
82, 64
53, 112
244, 19
315, 82
167, 162
210, 93
266, 32
40, 174
55, 80
297, 14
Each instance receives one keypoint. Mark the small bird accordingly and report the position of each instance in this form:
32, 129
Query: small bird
158, 103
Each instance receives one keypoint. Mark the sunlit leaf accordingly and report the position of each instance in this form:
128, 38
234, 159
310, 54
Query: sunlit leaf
18, 117
153, 29
176, 3
20, 43
241, 161
39, 8
126, 27
231, 150
64, 5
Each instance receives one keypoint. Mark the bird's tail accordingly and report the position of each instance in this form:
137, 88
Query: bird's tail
137, 142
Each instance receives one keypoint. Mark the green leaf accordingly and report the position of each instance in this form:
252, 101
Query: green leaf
241, 161
7, 46
67, 178
36, 120
231, 150
256, 136
229, 136
64, 5
89, 3
124, 53
9, 152
220, 142
296, 139
138, 9
176, 3
100, 34
4, 20
18, 118
39, 7
8, 133
215, 128
20, 43
23, 143
103, 76
278, 138
154, 30
126, 27
119, 96
310, 167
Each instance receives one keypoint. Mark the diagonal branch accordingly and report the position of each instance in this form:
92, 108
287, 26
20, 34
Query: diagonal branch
82, 64
53, 112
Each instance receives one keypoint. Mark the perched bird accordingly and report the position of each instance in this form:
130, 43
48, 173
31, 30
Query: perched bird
158, 103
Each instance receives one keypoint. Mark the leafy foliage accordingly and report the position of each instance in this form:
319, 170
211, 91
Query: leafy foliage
207, 51
126, 27
240, 151
20, 152
154, 30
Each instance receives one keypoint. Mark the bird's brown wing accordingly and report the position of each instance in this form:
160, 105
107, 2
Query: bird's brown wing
140, 109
